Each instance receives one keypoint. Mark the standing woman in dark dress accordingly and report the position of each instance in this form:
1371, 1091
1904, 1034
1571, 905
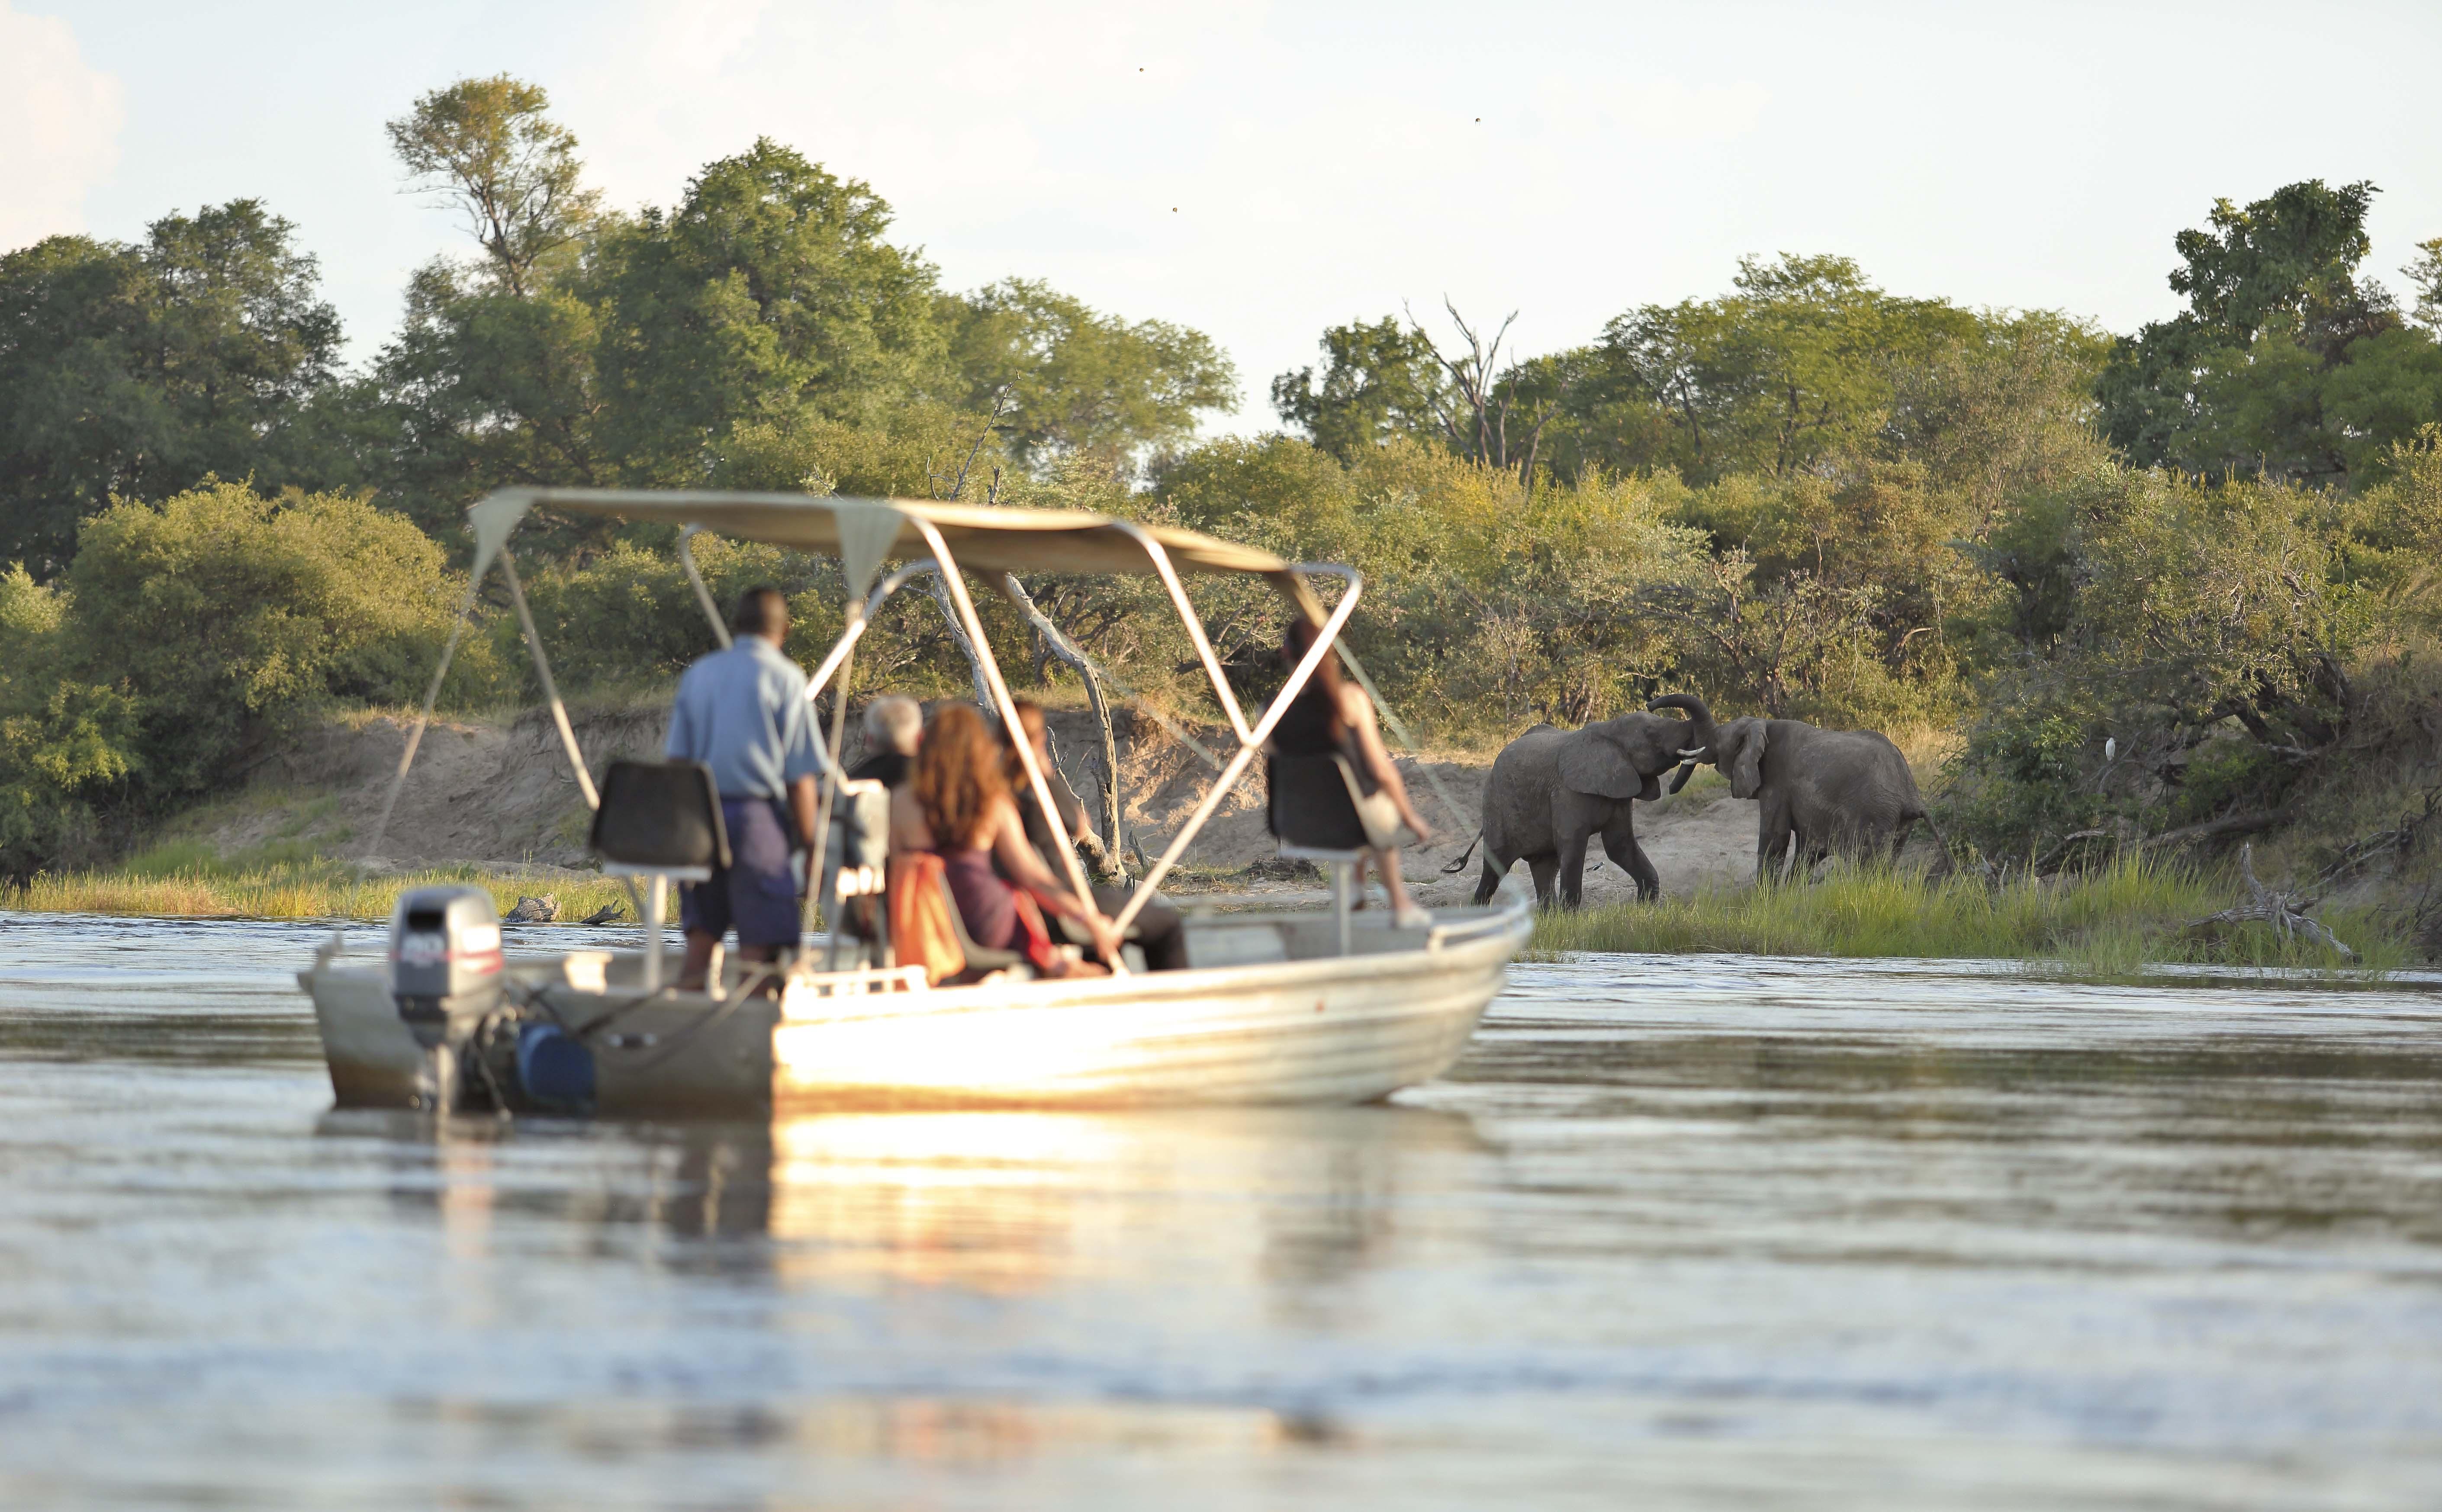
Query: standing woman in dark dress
1332, 715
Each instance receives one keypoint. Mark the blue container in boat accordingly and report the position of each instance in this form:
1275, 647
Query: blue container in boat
555, 1069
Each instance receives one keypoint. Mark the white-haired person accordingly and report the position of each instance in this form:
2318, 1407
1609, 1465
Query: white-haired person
893, 727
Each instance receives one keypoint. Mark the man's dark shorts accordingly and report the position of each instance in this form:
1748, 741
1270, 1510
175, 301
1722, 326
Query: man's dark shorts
755, 894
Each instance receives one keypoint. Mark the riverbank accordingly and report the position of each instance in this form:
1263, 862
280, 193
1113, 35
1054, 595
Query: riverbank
310, 891
2108, 922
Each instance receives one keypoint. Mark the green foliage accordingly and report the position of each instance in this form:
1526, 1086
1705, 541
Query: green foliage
133, 371
485, 146
1486, 599
1799, 363
627, 618
2112, 921
1379, 382
284, 609
768, 287
1077, 381
2209, 638
62, 742
766, 320
2285, 362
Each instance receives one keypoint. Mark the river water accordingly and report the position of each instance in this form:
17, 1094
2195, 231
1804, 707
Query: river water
1710, 1232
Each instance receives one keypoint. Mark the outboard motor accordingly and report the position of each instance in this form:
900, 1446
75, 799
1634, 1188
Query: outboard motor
444, 970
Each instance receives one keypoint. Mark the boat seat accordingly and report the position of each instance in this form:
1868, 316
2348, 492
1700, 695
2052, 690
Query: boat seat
1319, 811
980, 961
659, 820
856, 872
660, 816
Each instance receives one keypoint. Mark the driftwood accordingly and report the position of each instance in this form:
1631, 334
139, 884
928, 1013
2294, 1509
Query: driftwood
2267, 906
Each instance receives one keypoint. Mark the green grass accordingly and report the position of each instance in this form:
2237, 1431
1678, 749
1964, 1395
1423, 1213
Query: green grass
2110, 922
171, 883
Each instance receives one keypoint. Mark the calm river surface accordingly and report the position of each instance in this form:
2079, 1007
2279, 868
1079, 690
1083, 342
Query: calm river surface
1720, 1231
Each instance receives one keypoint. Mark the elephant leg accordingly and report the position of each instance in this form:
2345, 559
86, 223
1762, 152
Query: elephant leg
1772, 839
1543, 868
1488, 881
1619, 843
1573, 870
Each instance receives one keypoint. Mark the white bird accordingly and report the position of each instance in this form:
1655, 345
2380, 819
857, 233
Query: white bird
2110, 749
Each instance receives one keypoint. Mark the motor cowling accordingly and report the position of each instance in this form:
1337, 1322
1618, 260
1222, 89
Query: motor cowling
445, 961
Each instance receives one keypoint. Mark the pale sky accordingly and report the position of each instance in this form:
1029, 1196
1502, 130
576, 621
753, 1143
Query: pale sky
1260, 170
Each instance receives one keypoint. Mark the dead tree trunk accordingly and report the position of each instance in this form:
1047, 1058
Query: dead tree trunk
2266, 907
1068, 655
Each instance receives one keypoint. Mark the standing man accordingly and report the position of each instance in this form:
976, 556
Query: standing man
744, 712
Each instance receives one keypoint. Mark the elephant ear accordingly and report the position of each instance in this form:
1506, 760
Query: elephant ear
1594, 766
1746, 773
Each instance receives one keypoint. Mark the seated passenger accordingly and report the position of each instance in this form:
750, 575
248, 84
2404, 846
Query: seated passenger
955, 804
1157, 929
1333, 716
893, 725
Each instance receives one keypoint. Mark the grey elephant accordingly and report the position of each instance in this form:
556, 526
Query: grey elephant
1848, 791
1552, 790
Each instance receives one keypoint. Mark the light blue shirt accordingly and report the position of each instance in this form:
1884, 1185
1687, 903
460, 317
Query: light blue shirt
744, 712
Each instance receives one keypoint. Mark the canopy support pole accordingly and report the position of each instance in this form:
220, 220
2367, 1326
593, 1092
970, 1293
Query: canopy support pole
1250, 741
819, 843
1187, 617
406, 758
990, 667
549, 689
695, 580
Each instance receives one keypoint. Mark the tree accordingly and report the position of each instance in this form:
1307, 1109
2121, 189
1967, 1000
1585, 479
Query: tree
1077, 381
2248, 379
768, 288
135, 371
491, 380
281, 608
1379, 381
485, 146
1801, 361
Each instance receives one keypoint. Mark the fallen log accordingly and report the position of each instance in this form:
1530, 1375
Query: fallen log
2252, 823
2267, 906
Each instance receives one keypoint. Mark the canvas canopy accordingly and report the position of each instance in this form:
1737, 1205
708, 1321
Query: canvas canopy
864, 532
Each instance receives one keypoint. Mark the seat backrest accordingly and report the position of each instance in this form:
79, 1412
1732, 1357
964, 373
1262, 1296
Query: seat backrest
979, 958
1312, 803
660, 816
860, 824
855, 862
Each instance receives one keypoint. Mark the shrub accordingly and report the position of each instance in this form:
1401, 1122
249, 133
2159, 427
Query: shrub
226, 618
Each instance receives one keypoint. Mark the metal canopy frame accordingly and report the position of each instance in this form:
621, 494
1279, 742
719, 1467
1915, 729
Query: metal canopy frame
855, 532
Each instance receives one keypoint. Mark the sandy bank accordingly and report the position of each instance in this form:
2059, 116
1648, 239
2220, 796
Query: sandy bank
499, 795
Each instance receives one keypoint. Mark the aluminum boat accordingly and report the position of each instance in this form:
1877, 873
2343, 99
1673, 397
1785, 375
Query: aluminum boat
1333, 1007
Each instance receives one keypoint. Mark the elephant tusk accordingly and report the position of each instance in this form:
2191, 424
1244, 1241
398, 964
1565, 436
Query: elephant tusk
1692, 754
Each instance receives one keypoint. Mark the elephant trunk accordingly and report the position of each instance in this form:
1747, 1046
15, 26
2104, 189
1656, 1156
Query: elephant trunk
1700, 720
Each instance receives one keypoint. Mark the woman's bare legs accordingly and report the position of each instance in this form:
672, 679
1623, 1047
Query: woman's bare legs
1404, 912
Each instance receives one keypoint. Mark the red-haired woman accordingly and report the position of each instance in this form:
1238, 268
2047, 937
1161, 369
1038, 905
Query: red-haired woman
956, 804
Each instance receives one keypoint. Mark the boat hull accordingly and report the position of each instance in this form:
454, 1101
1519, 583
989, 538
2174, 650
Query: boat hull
1317, 1030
